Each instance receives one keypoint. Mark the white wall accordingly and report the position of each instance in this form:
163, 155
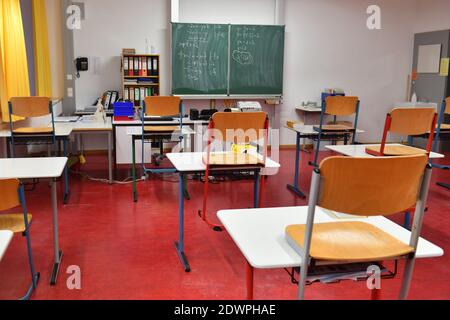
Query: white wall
231, 11
432, 15
328, 45
53, 10
111, 25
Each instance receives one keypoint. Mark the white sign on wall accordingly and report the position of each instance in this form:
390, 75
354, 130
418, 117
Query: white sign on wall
429, 58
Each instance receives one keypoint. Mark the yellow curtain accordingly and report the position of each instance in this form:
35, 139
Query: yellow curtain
13, 56
41, 50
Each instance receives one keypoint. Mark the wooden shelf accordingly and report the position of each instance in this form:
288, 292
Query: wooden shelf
141, 77
150, 88
141, 55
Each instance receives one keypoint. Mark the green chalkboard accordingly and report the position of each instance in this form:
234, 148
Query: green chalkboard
218, 59
200, 59
257, 60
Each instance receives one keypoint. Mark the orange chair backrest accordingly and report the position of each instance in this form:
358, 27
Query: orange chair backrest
447, 105
341, 106
239, 127
30, 107
9, 197
371, 186
411, 121
162, 106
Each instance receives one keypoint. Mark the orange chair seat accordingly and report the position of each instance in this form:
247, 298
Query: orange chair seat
30, 130
445, 126
349, 241
396, 150
163, 129
232, 159
335, 127
13, 222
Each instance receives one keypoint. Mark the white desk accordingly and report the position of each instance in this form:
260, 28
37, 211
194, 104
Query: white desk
5, 238
193, 162
39, 168
62, 133
260, 234
102, 127
360, 150
187, 163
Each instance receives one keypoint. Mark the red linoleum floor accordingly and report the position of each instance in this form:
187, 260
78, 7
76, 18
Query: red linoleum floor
125, 250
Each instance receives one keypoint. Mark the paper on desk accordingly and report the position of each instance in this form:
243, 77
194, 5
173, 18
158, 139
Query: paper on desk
66, 119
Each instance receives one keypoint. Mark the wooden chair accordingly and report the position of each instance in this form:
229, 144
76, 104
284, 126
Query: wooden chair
362, 187
13, 196
410, 122
160, 106
234, 128
29, 108
337, 106
442, 127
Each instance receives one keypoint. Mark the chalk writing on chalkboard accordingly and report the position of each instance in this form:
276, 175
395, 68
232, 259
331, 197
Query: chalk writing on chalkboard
219, 59
200, 58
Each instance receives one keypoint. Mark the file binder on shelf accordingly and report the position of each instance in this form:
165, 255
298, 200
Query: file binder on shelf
132, 95
140, 76
136, 66
137, 97
155, 67
130, 66
125, 65
141, 100
149, 65
144, 67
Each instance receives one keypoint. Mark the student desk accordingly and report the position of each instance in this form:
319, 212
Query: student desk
136, 135
308, 132
191, 163
309, 110
98, 127
5, 238
61, 134
260, 235
39, 168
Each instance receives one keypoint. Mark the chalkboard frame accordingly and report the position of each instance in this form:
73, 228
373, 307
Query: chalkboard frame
228, 95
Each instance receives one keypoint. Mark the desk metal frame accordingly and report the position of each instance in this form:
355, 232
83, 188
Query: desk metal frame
156, 170
179, 244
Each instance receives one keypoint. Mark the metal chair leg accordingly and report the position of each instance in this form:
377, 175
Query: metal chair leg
34, 275
407, 276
